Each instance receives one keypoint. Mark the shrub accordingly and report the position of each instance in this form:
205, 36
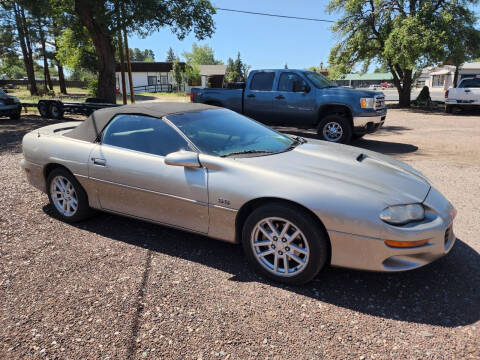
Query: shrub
92, 86
424, 97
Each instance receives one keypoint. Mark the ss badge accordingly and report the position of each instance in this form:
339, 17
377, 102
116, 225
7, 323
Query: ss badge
223, 201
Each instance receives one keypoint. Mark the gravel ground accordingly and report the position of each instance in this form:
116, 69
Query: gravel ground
114, 288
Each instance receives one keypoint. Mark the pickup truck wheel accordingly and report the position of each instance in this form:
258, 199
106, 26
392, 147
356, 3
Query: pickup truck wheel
335, 128
448, 109
16, 115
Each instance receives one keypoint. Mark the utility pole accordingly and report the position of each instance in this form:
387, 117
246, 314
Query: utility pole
129, 65
122, 68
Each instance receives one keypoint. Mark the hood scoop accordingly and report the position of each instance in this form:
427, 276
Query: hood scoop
361, 157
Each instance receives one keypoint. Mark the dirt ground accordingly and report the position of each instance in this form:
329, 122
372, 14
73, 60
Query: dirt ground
115, 288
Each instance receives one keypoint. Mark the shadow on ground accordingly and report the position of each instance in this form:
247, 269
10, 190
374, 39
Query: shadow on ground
445, 293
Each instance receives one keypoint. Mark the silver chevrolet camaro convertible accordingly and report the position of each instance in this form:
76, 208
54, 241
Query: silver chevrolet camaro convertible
294, 204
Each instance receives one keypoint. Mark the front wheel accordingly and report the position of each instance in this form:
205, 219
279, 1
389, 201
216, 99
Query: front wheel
285, 243
16, 115
335, 128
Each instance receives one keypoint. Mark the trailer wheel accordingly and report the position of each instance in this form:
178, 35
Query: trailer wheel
43, 109
56, 110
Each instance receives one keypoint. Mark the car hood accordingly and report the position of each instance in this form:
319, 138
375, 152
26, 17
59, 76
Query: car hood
352, 168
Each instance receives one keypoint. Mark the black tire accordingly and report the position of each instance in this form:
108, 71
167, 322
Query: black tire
56, 110
83, 210
314, 235
16, 115
341, 123
44, 109
448, 109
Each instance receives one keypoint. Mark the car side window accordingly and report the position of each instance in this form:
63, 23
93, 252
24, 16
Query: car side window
470, 83
287, 82
262, 81
143, 133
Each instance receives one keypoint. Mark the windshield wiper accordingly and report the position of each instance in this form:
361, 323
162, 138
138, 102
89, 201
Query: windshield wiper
247, 152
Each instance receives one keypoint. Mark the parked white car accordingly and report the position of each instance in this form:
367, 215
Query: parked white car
465, 96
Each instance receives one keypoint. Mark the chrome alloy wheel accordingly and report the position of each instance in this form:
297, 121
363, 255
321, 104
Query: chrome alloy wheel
332, 131
280, 246
63, 196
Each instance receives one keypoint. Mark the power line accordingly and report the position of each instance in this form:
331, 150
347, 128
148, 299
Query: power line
275, 15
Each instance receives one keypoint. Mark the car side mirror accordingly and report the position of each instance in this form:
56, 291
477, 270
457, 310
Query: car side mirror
300, 86
183, 158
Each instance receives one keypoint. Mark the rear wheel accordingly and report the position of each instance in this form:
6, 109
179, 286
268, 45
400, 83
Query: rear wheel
448, 109
285, 244
67, 196
335, 128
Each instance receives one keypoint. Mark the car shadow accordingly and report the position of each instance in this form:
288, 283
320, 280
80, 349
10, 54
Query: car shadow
444, 293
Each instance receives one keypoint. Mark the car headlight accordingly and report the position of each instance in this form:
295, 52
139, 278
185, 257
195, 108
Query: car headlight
367, 103
402, 214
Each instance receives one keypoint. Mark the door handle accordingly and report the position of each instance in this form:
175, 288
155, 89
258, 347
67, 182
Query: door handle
468, 90
251, 95
280, 97
98, 161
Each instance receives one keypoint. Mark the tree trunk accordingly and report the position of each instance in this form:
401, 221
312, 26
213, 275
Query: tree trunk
455, 77
61, 75
46, 71
104, 49
25, 46
61, 79
402, 79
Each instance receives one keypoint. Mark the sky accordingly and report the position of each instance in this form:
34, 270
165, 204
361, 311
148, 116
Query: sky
264, 42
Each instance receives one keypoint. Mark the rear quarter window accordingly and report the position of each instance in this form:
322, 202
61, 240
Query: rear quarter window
262, 81
470, 83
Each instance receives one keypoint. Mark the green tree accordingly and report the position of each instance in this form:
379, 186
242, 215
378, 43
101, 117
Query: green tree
76, 50
170, 56
139, 55
463, 42
201, 55
177, 72
236, 70
405, 35
12, 66
104, 18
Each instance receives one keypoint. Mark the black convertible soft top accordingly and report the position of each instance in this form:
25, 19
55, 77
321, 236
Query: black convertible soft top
93, 126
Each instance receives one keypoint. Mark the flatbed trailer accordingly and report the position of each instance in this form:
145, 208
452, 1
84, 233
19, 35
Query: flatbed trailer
55, 109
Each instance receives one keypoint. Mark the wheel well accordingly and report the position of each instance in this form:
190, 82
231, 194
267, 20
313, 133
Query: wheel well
341, 110
248, 207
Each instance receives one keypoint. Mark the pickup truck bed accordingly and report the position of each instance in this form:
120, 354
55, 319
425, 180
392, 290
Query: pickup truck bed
465, 96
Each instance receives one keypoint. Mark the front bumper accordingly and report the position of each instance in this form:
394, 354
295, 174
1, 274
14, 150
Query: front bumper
370, 253
369, 123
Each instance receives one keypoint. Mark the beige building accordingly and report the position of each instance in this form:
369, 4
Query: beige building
442, 76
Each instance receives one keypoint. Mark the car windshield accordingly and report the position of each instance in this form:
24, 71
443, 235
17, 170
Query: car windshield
223, 132
319, 80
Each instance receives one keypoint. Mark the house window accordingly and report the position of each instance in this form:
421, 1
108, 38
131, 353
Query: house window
152, 80
438, 80
164, 79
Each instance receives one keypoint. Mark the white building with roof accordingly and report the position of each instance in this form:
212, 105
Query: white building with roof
442, 76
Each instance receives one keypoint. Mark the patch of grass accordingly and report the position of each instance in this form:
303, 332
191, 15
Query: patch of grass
73, 94
163, 94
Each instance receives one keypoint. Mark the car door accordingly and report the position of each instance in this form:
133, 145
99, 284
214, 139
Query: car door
258, 97
293, 101
131, 177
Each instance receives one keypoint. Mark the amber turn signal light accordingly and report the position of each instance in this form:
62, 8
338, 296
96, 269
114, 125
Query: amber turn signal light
406, 244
